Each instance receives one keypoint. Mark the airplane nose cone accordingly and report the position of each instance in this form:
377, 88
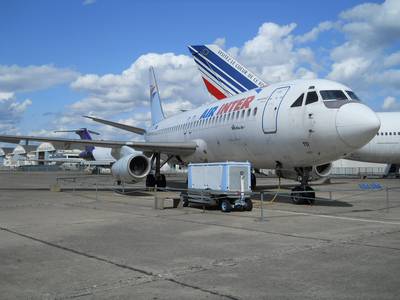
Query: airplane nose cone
356, 124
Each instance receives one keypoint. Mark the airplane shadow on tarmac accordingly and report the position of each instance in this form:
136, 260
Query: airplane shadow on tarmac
280, 199
320, 201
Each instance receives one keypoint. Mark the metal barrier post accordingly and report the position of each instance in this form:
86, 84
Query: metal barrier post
201, 197
387, 199
262, 207
97, 196
330, 195
155, 197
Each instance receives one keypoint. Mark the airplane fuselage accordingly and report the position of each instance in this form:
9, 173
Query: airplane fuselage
262, 126
385, 146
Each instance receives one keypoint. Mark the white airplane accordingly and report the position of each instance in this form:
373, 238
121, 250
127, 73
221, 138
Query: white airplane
287, 126
217, 67
385, 146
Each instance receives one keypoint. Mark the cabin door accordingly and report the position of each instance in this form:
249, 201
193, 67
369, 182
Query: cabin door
271, 109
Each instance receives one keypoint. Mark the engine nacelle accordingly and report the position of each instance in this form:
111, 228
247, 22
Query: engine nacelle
315, 172
321, 171
131, 168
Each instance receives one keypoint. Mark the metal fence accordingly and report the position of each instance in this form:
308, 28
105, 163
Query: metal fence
381, 198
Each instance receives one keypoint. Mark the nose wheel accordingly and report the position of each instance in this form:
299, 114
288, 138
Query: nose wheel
303, 194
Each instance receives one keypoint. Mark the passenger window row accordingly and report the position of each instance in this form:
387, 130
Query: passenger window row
388, 133
229, 116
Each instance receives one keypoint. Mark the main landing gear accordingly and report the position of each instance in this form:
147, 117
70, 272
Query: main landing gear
303, 194
253, 181
157, 178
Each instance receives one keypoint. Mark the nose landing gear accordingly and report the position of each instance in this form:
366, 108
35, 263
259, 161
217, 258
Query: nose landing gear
303, 194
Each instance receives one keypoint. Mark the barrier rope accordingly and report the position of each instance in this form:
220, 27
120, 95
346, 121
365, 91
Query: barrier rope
277, 192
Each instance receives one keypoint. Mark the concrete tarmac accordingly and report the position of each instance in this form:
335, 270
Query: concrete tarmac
82, 244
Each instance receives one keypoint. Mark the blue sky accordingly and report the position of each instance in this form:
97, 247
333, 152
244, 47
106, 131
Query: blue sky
62, 59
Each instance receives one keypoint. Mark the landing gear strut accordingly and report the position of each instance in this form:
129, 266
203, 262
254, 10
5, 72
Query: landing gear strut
303, 194
156, 179
253, 181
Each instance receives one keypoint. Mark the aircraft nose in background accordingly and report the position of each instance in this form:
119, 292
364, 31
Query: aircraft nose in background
356, 124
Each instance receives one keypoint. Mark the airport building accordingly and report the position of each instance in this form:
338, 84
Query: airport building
346, 167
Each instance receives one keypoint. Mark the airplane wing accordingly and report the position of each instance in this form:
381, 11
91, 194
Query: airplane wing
63, 143
74, 160
129, 128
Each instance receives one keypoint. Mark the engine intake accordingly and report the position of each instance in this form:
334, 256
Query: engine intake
315, 173
322, 171
131, 168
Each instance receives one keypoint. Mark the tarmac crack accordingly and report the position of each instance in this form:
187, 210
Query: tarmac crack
81, 253
252, 229
154, 276
201, 289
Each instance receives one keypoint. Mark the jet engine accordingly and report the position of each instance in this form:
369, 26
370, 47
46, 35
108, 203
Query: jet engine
315, 172
321, 171
131, 168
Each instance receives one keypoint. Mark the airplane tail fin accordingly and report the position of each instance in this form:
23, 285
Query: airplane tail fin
84, 134
157, 113
222, 74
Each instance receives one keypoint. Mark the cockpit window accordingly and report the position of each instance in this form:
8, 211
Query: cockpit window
311, 97
299, 101
353, 96
333, 95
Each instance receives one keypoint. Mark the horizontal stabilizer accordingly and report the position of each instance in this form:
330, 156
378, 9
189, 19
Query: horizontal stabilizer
125, 127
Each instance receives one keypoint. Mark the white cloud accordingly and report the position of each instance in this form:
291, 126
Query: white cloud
272, 54
11, 111
373, 24
172, 108
21, 79
390, 103
177, 76
220, 42
365, 60
388, 78
313, 34
16, 79
349, 69
392, 60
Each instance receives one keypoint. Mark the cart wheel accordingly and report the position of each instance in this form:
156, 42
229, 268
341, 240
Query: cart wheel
226, 206
249, 205
185, 201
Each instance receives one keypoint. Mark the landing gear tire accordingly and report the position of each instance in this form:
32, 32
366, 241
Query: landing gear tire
184, 199
253, 181
249, 205
299, 197
161, 181
310, 195
226, 206
150, 180
296, 196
